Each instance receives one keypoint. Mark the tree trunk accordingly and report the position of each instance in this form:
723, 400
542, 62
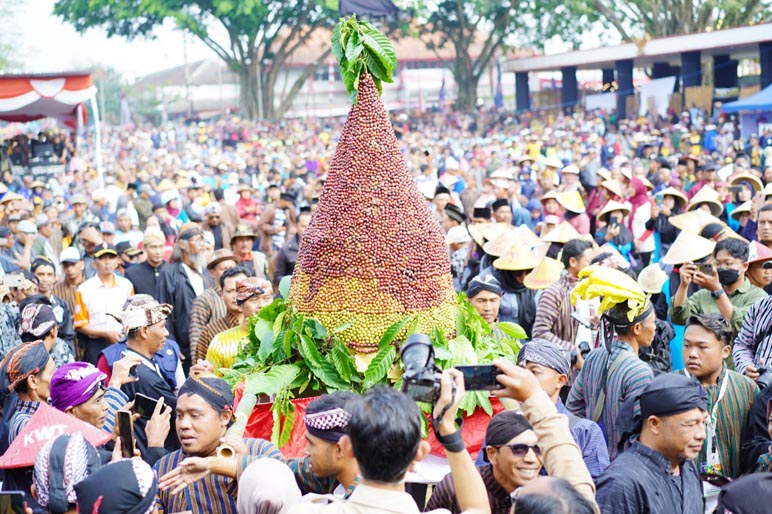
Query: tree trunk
249, 95
466, 86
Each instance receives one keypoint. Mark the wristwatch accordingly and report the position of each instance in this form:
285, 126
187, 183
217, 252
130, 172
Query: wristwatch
717, 294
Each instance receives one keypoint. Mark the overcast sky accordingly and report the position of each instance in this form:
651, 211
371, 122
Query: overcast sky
44, 43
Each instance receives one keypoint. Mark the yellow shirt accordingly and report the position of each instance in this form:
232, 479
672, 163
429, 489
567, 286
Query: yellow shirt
225, 346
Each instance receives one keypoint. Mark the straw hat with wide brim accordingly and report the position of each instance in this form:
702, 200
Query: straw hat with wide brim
757, 252
688, 247
525, 158
517, 258
521, 235
614, 187
490, 231
603, 173
544, 275
652, 278
572, 201
768, 190
680, 198
553, 162
744, 207
549, 195
561, 234
693, 221
10, 197
753, 180
706, 195
611, 206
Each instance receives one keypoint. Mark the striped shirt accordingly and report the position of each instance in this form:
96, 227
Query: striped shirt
731, 419
207, 307
225, 346
214, 494
553, 320
67, 292
444, 495
211, 330
629, 378
115, 399
749, 348
24, 411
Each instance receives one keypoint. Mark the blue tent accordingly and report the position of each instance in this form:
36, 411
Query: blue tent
761, 101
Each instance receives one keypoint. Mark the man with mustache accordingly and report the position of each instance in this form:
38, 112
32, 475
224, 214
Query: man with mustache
181, 281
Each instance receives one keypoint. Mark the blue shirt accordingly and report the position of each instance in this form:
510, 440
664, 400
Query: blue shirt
589, 438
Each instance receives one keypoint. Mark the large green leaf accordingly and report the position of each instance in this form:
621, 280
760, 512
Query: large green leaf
381, 47
319, 366
376, 68
264, 333
513, 330
284, 286
337, 46
462, 351
271, 381
278, 325
391, 333
343, 362
354, 47
379, 367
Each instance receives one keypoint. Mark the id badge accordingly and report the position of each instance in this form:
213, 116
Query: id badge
712, 464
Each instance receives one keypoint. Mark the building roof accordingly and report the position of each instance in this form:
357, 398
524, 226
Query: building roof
739, 42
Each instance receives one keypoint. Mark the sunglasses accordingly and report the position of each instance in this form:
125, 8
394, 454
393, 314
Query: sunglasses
767, 265
521, 450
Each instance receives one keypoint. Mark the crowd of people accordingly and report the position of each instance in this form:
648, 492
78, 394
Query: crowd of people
636, 255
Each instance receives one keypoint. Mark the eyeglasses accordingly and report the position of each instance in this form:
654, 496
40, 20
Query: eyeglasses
521, 450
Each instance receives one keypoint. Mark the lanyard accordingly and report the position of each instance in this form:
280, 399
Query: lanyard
714, 411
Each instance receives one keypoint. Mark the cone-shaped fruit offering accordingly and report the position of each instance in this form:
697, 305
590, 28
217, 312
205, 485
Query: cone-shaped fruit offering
373, 253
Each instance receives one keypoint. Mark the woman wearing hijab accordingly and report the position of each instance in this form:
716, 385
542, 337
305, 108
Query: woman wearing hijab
640, 214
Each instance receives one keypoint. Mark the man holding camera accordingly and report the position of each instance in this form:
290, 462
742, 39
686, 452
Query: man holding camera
725, 290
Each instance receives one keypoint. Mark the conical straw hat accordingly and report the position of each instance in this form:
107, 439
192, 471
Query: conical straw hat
611, 206
688, 247
681, 198
743, 207
693, 221
553, 162
476, 234
517, 258
753, 180
757, 252
503, 242
491, 231
561, 234
709, 196
549, 194
614, 187
572, 201
603, 173
544, 275
652, 278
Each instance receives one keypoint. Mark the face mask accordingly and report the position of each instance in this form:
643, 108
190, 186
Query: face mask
728, 276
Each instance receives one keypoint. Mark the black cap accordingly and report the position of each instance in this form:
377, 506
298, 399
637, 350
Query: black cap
455, 213
482, 213
125, 247
104, 249
441, 189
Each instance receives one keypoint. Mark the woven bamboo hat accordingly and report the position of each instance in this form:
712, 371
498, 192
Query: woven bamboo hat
706, 195
544, 275
688, 247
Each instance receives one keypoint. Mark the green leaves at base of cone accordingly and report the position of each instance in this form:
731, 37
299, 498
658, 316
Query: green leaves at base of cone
361, 48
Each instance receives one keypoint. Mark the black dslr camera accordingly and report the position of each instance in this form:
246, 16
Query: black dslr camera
421, 377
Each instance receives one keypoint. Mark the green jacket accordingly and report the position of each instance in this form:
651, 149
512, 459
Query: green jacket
703, 303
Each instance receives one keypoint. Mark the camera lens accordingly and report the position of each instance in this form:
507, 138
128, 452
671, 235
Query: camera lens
417, 351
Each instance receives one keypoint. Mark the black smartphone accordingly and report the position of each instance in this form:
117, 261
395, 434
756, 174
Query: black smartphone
480, 377
613, 220
126, 433
12, 502
133, 371
735, 189
144, 405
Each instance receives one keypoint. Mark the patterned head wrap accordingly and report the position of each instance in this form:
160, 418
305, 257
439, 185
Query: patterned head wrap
132, 489
62, 463
252, 286
154, 236
37, 319
74, 383
486, 283
143, 313
546, 353
23, 361
329, 425
215, 391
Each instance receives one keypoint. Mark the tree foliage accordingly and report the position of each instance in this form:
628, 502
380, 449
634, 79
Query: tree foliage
246, 34
479, 30
639, 19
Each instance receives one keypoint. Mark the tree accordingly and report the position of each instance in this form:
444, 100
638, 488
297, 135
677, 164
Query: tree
260, 36
638, 19
499, 25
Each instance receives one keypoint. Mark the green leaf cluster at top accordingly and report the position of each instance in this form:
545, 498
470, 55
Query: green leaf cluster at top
361, 48
288, 355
